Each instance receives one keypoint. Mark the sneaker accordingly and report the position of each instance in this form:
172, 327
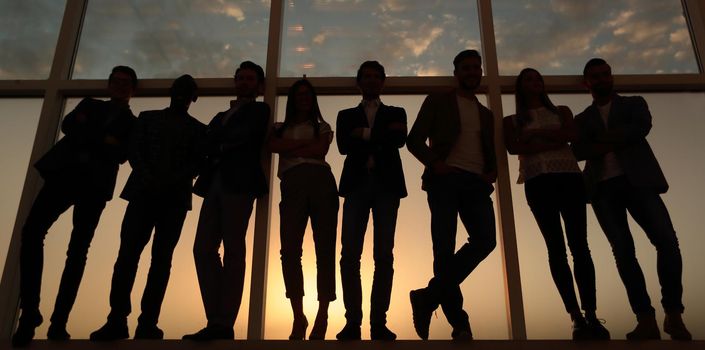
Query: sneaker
382, 333
421, 310
211, 333
349, 332
110, 331
674, 326
461, 334
148, 332
25, 328
596, 329
646, 329
58, 332
581, 330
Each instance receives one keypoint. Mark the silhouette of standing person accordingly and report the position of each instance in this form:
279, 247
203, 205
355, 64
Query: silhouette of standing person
460, 169
79, 171
622, 175
539, 133
229, 183
370, 135
308, 190
165, 152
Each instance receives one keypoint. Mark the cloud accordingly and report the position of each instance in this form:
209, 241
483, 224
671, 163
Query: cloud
419, 45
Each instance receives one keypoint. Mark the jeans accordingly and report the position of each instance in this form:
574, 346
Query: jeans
308, 191
612, 200
464, 194
562, 195
54, 199
369, 196
141, 216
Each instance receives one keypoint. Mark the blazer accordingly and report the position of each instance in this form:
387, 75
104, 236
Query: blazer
439, 122
95, 144
159, 173
235, 150
383, 146
629, 116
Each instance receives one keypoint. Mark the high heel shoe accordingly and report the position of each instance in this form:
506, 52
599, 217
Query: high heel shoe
298, 329
318, 332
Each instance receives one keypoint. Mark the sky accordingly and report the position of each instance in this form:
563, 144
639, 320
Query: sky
163, 39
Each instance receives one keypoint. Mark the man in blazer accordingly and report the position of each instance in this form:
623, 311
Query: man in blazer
460, 166
229, 183
622, 175
165, 153
79, 171
370, 136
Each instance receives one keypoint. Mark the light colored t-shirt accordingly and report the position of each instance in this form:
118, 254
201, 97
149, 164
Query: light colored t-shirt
611, 167
467, 151
302, 131
559, 160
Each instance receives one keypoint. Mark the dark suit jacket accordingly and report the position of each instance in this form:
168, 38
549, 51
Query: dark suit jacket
159, 173
383, 146
439, 122
631, 117
89, 155
235, 149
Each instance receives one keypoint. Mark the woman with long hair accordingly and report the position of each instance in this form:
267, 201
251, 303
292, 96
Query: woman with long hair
540, 133
308, 190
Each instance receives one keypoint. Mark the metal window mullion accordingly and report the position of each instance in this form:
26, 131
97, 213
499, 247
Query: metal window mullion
260, 248
508, 242
44, 138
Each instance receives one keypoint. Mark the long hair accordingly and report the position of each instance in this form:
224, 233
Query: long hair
522, 106
314, 116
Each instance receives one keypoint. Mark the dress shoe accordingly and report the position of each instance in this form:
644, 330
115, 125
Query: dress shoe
110, 331
58, 332
674, 326
421, 309
211, 333
461, 334
349, 332
148, 332
25, 329
381, 333
646, 329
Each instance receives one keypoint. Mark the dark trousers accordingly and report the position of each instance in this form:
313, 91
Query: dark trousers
369, 196
611, 202
141, 216
54, 199
461, 194
552, 197
308, 191
224, 219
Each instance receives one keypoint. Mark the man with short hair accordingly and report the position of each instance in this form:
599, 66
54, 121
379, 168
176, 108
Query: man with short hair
79, 171
622, 175
460, 169
229, 183
370, 135
165, 152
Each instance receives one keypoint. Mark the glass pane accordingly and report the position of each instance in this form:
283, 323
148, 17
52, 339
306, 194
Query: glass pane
410, 38
483, 291
28, 33
182, 311
545, 315
558, 37
18, 125
163, 38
